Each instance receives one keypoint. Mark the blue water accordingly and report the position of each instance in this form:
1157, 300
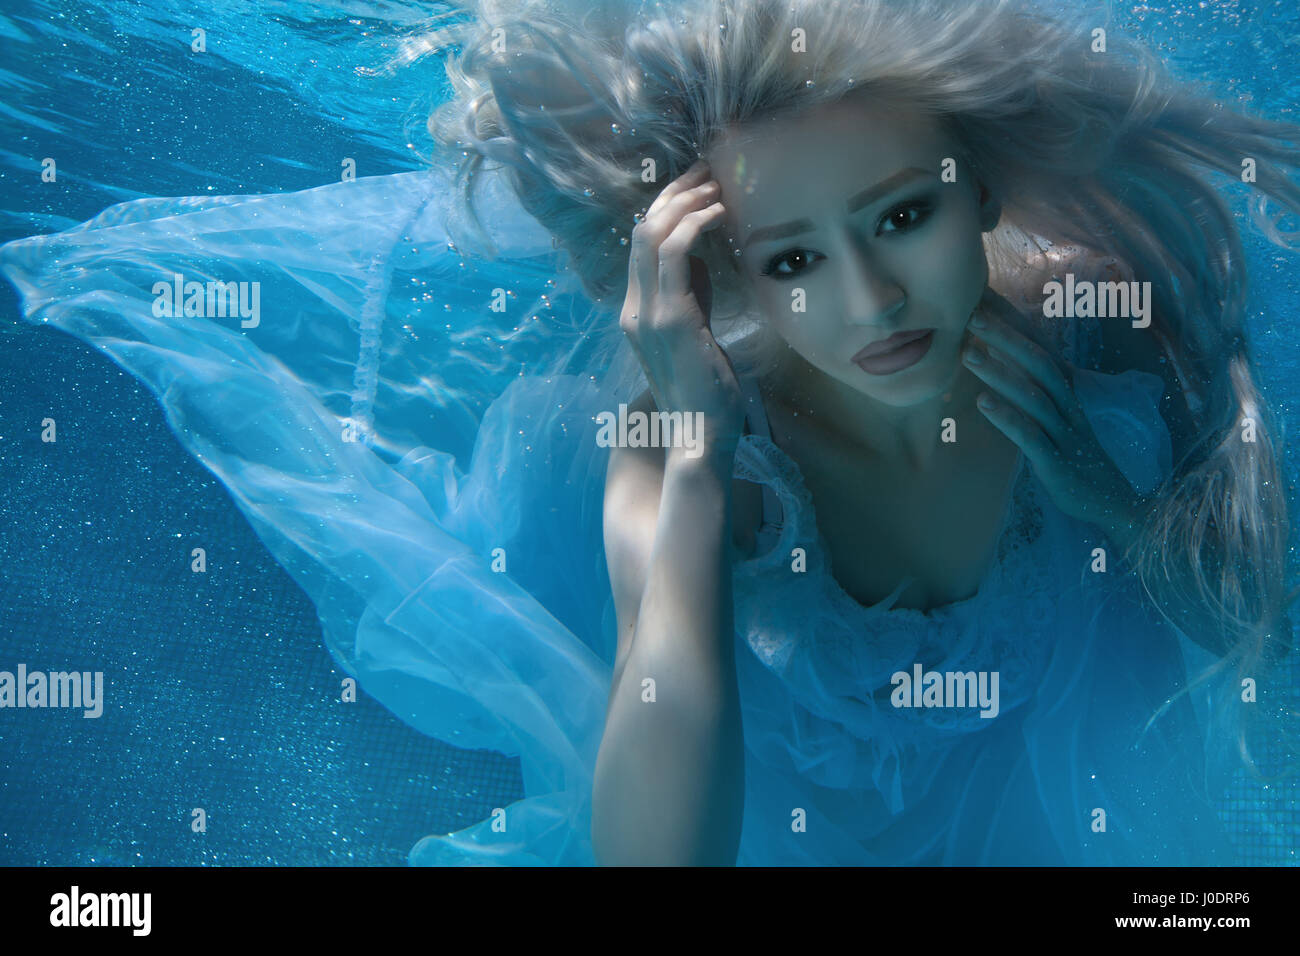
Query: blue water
224, 697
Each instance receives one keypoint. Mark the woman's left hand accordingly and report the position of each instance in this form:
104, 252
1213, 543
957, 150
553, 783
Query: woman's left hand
1034, 405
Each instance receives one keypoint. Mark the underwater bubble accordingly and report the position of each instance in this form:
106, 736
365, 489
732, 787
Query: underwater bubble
615, 128
623, 241
809, 83
587, 192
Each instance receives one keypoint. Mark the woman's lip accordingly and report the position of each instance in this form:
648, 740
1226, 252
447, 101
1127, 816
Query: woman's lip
897, 359
896, 340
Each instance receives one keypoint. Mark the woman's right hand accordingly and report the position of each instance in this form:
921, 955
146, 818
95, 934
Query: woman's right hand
666, 312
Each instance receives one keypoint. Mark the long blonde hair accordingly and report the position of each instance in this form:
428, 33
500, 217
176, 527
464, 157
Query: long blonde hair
1097, 149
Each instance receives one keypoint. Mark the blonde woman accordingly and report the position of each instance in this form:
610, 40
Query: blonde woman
958, 465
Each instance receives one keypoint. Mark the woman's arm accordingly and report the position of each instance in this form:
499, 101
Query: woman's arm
669, 783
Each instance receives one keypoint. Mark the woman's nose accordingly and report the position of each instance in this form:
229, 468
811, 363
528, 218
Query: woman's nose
872, 294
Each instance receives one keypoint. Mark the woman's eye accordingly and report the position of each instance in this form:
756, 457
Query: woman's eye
787, 265
904, 217
797, 260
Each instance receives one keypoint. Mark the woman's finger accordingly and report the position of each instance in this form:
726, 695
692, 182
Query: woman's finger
1015, 386
674, 260
687, 180
1017, 426
1030, 356
648, 236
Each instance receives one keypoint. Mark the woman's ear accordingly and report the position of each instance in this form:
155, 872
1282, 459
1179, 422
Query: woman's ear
990, 209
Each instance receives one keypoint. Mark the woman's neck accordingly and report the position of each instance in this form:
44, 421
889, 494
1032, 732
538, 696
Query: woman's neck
903, 437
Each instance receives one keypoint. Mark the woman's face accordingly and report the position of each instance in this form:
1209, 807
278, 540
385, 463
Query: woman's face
849, 235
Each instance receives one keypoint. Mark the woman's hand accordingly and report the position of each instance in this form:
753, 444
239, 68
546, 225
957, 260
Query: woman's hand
666, 313
1034, 404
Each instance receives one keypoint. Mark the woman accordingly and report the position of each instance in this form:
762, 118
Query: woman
778, 672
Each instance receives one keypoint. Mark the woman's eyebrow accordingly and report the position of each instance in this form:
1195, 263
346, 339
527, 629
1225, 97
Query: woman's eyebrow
857, 201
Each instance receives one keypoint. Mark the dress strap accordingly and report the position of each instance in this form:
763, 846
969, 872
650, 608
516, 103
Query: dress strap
756, 422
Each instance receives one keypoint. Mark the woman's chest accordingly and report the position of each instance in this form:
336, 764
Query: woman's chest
940, 530
939, 526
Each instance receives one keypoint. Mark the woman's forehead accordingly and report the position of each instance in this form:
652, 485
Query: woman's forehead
838, 148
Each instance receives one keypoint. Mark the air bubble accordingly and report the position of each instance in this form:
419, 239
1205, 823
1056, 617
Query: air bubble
587, 192
809, 83
615, 128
